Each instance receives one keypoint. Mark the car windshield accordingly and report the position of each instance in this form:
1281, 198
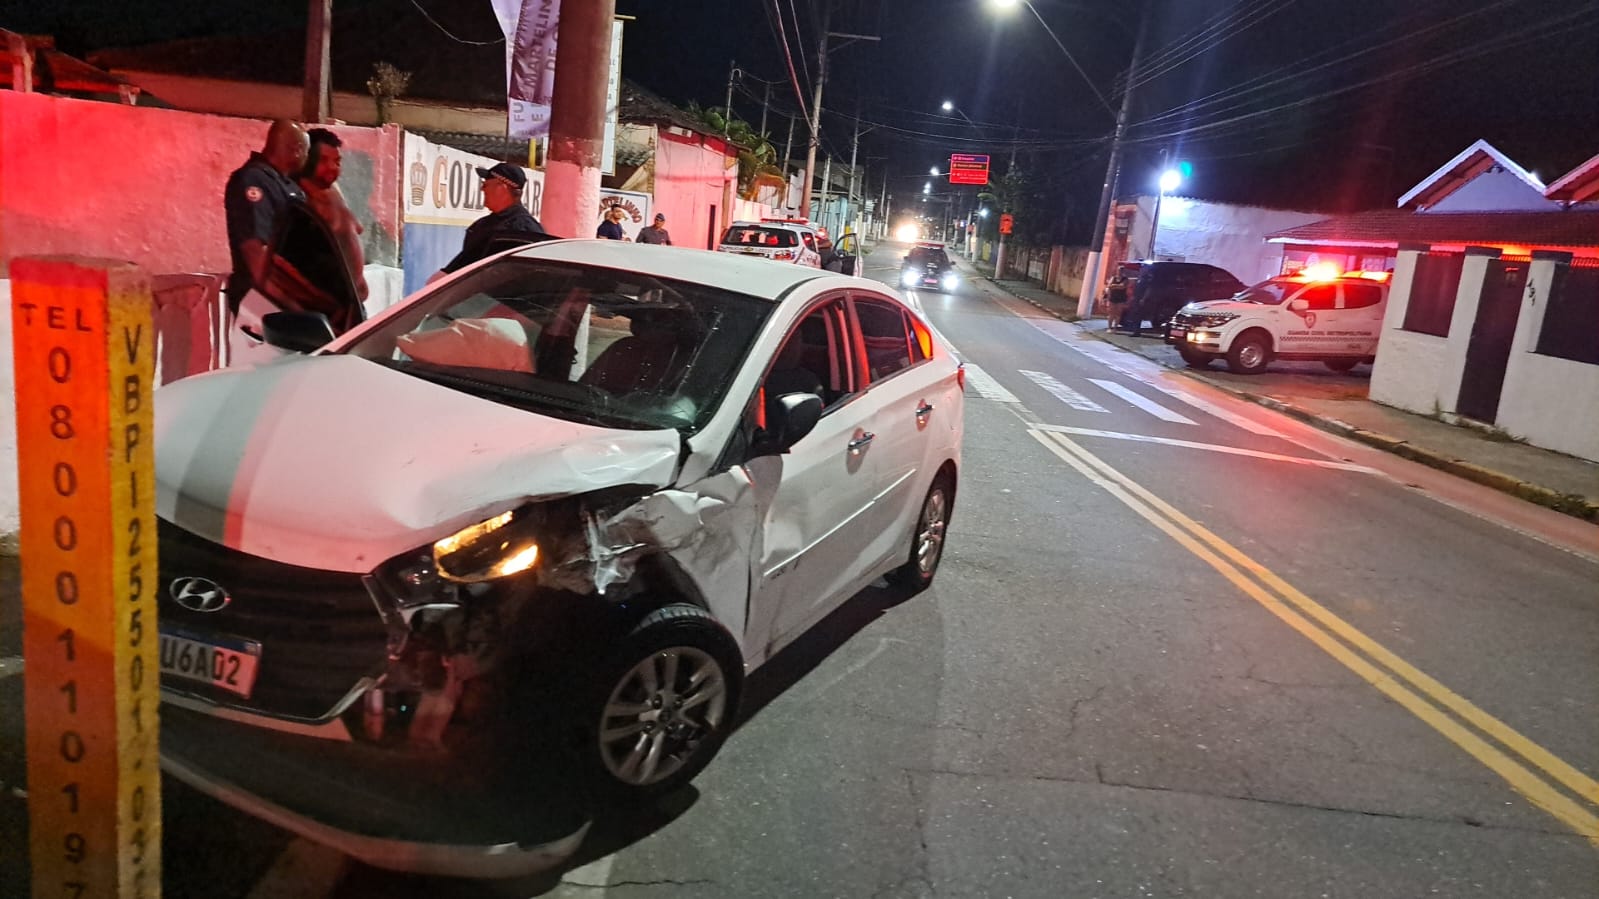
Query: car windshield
1268, 293
587, 344
757, 236
928, 256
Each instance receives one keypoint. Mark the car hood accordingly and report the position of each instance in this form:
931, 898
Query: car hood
339, 463
1228, 305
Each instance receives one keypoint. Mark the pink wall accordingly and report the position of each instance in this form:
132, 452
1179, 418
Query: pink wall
126, 182
690, 179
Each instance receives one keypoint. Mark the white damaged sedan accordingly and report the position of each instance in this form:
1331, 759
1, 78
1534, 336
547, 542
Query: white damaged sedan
431, 589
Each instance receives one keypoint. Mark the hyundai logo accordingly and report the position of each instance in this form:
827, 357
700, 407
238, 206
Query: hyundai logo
199, 594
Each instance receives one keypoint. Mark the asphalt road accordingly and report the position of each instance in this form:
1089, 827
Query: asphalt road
1179, 646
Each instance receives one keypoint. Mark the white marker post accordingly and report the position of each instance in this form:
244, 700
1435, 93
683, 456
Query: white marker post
84, 350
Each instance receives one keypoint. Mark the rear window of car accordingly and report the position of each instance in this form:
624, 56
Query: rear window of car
757, 236
925, 255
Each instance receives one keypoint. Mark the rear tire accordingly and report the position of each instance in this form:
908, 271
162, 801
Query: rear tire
661, 705
1250, 353
927, 540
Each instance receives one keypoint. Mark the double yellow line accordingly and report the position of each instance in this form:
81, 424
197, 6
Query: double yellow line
1515, 758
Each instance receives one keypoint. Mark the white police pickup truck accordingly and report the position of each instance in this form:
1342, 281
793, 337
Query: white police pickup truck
1327, 317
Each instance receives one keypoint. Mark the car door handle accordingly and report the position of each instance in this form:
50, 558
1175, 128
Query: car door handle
861, 442
924, 410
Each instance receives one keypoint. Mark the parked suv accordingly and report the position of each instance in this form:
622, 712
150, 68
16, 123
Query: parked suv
782, 241
1335, 320
1164, 287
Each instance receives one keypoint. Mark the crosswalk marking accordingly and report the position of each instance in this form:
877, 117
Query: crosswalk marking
1063, 393
986, 386
1150, 406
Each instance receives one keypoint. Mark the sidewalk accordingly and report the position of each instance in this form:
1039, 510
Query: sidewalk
1337, 403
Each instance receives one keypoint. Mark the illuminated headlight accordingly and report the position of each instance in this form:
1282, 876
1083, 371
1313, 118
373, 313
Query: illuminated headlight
909, 279
1203, 336
951, 281
1216, 319
502, 546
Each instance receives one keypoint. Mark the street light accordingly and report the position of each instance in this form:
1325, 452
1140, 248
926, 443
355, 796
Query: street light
1169, 181
1093, 270
934, 171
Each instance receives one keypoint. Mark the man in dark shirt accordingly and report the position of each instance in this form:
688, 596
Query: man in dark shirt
256, 198
508, 220
611, 226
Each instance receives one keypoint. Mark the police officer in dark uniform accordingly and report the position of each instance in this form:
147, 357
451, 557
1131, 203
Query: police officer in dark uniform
507, 223
256, 198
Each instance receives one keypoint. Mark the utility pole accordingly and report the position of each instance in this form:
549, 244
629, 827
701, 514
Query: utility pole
816, 100
854, 149
727, 109
788, 150
816, 110
1094, 267
765, 102
577, 118
827, 180
318, 57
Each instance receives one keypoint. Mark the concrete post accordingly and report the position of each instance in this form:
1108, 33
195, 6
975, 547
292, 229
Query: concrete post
577, 118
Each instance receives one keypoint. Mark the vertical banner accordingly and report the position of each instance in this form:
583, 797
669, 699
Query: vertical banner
613, 101
530, 34
84, 352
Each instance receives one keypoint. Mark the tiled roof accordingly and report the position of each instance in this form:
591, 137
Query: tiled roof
56, 72
1457, 172
1571, 228
1580, 184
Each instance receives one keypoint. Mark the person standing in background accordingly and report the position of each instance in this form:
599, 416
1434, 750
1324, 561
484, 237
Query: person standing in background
656, 233
611, 227
324, 162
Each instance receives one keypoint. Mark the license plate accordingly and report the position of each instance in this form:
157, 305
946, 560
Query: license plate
1178, 333
231, 666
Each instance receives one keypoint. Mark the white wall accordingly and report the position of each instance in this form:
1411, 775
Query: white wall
10, 504
1494, 191
1233, 237
1409, 365
1542, 395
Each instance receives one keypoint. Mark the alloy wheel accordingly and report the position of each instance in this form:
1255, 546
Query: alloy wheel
660, 712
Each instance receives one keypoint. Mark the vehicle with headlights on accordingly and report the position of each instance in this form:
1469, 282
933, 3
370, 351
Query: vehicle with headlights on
928, 267
433, 591
1310, 315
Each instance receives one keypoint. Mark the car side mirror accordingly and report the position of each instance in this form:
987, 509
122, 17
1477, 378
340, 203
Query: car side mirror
788, 420
299, 332
1299, 305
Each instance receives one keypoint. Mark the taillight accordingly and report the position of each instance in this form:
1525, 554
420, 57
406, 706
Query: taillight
783, 254
960, 375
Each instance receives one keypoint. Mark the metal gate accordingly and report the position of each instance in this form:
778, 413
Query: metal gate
1488, 354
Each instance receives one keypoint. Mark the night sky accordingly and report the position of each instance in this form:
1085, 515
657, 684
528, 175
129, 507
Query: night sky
1320, 104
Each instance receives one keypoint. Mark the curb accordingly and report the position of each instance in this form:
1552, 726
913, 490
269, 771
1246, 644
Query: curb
1572, 504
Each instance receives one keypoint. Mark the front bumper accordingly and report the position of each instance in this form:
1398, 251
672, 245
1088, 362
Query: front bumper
443, 815
1204, 339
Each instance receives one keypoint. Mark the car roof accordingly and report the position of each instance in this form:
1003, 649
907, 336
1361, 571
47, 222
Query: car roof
751, 275
792, 226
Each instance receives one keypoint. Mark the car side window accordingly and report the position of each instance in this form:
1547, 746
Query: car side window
885, 337
814, 357
1321, 297
1361, 296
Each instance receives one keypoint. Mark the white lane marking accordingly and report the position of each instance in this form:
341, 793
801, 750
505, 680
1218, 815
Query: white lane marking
596, 873
1117, 360
1150, 406
1063, 393
986, 386
1209, 447
304, 870
10, 666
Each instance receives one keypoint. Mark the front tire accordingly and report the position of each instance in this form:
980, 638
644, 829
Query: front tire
663, 704
1341, 365
1194, 358
1250, 353
927, 541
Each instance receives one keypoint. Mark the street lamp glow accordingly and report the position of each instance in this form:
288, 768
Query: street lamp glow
927, 188
983, 213
948, 106
1005, 4
1169, 180
933, 170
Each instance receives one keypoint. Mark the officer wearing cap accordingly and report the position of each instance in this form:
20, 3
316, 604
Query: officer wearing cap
656, 233
507, 223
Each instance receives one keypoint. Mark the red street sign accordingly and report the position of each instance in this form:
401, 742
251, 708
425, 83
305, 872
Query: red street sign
968, 168
1006, 223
